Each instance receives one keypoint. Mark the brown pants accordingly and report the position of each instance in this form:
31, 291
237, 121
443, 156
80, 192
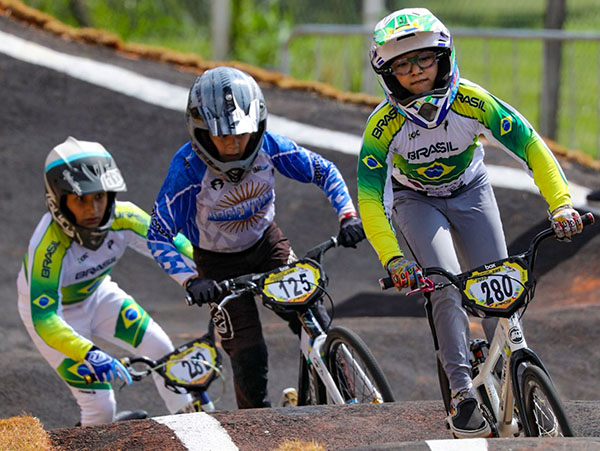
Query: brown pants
238, 323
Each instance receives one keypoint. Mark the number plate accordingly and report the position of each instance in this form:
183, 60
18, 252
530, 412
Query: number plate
189, 368
498, 287
292, 285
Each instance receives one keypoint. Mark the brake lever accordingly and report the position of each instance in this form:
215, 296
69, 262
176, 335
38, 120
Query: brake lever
427, 288
249, 286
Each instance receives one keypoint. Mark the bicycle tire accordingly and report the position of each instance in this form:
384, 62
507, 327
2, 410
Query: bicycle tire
310, 389
351, 387
534, 382
444, 386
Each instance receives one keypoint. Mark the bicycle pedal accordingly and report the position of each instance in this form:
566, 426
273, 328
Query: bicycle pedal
289, 397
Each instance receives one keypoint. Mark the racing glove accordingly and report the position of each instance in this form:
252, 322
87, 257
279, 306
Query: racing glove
405, 273
566, 222
203, 291
105, 367
351, 232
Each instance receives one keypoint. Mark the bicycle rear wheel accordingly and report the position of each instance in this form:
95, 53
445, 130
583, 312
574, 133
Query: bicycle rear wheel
544, 412
354, 370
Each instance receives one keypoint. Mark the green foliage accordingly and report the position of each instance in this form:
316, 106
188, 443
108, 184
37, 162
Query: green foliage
258, 27
512, 70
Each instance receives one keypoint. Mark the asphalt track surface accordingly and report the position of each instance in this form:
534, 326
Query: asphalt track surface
41, 107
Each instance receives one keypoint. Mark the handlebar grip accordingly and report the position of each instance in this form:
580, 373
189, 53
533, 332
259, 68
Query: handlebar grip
386, 282
588, 219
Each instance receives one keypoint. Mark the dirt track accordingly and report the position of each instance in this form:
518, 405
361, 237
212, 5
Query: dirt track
42, 107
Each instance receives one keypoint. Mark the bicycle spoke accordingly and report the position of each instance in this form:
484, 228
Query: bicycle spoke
352, 379
544, 416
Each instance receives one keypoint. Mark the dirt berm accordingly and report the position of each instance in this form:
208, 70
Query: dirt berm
400, 425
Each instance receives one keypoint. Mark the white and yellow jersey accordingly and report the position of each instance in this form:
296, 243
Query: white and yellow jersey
438, 161
57, 272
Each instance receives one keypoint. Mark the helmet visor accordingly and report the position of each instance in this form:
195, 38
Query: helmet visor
233, 121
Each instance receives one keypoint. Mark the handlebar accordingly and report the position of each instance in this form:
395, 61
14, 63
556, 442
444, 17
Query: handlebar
247, 283
136, 375
386, 282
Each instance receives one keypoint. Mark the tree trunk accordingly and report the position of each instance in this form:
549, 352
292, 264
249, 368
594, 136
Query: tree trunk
80, 13
549, 104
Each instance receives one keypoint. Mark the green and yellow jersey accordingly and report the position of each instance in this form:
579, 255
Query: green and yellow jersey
58, 272
439, 161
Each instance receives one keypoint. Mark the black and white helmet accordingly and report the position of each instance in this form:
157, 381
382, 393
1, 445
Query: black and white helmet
81, 167
226, 101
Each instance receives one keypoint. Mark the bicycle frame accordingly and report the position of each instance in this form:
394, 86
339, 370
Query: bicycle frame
500, 395
312, 333
312, 340
498, 392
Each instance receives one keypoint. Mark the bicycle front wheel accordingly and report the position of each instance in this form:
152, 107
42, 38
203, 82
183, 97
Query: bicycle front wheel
354, 370
310, 389
544, 412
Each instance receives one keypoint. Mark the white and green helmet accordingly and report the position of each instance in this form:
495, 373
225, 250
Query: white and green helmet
405, 31
81, 167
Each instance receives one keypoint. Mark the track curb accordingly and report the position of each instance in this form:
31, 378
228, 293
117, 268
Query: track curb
402, 425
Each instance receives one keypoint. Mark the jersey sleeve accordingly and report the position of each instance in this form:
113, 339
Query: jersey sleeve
135, 222
171, 249
374, 186
506, 127
305, 166
44, 263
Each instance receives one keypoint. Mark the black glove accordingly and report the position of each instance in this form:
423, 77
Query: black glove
351, 232
203, 291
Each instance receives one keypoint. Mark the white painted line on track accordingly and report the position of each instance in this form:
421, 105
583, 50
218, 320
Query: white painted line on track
174, 97
198, 431
469, 444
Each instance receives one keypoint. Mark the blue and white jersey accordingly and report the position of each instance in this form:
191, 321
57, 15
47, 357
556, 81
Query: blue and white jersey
218, 216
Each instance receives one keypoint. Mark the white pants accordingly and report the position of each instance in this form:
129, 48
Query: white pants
98, 316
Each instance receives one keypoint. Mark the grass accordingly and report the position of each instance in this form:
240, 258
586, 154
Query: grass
299, 445
512, 70
24, 433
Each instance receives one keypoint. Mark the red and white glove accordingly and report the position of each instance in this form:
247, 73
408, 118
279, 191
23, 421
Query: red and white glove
405, 273
566, 222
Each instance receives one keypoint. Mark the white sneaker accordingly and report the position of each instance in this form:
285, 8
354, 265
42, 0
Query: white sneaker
289, 397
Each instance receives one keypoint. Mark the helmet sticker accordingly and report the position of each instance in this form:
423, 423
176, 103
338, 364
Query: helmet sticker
71, 181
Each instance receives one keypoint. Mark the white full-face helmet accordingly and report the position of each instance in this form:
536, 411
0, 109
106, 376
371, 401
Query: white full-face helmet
226, 101
405, 31
81, 167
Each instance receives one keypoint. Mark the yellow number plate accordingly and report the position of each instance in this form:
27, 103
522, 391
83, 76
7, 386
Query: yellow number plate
189, 367
498, 287
293, 285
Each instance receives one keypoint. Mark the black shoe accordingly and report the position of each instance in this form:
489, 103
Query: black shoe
466, 420
131, 415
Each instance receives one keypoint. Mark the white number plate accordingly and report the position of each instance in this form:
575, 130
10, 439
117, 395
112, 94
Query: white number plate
189, 367
293, 285
498, 287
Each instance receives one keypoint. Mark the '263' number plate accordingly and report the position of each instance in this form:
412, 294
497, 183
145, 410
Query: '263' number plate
194, 366
498, 287
292, 285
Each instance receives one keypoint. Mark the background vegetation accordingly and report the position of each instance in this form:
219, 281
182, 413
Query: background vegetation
512, 70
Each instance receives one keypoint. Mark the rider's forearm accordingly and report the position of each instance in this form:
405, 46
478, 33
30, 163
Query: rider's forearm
378, 230
59, 335
547, 174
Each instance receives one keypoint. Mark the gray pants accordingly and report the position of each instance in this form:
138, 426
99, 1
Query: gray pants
439, 231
